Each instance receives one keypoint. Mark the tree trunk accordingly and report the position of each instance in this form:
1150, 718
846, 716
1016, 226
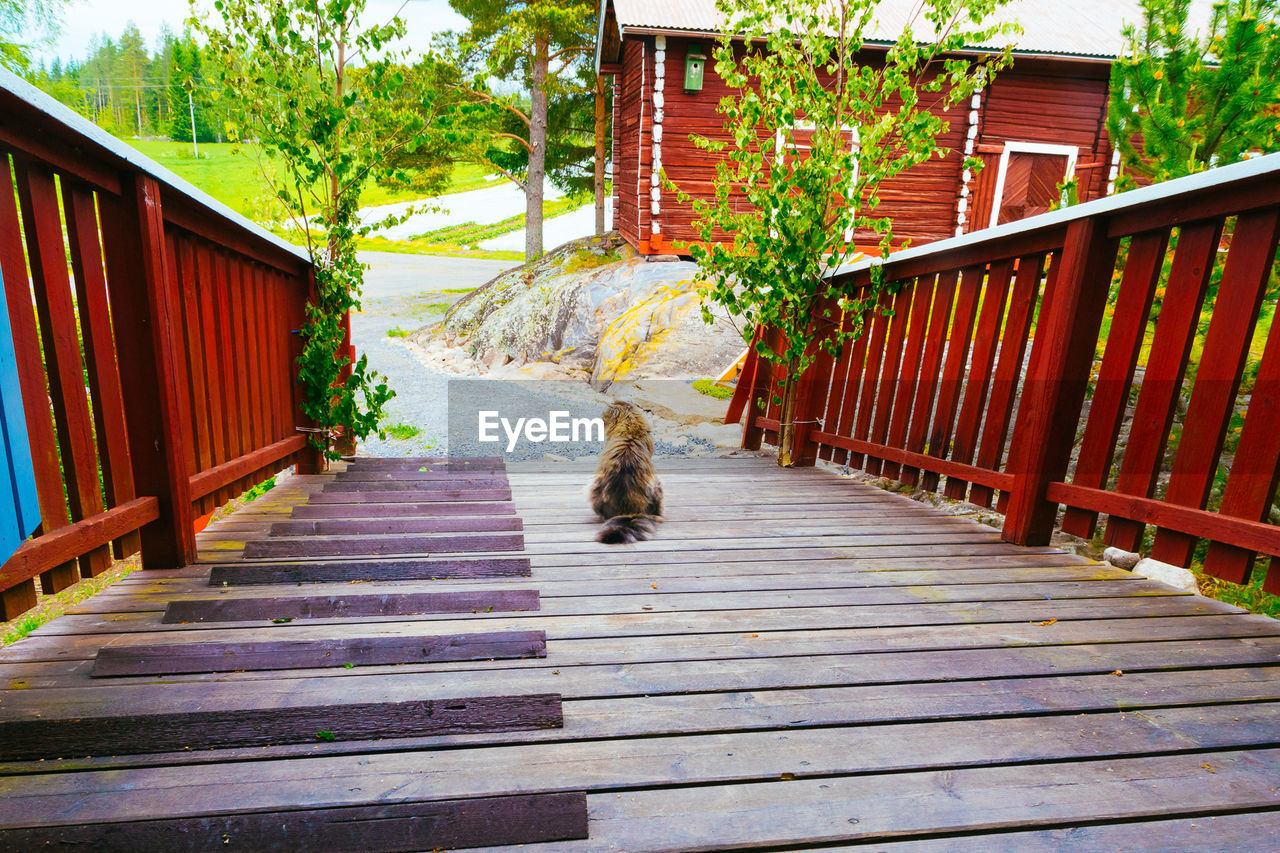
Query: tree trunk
601, 130
786, 419
537, 150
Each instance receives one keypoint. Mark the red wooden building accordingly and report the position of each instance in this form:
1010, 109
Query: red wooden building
1038, 122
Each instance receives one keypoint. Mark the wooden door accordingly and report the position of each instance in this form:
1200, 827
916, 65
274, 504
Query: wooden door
19, 510
1030, 184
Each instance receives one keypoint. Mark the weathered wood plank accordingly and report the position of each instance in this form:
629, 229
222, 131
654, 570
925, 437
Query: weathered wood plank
498, 603
375, 547
728, 760
792, 708
377, 527
430, 510
155, 659
405, 825
815, 811
371, 570
467, 483
419, 496
350, 606
1205, 833
988, 655
52, 738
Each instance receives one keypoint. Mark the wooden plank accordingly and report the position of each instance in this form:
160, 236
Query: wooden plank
60, 339
909, 370
53, 738
1054, 391
302, 654
1222, 363
195, 338
276, 548
886, 391
404, 825
212, 479
857, 357
65, 543
814, 756
693, 665
1025, 618
415, 496
366, 527
1166, 367
143, 313
373, 570
350, 606
100, 353
873, 807
208, 275
930, 366
979, 375
414, 474
437, 463
388, 511
1004, 382
871, 372
464, 483
957, 342
640, 716
173, 290
1115, 375
1204, 833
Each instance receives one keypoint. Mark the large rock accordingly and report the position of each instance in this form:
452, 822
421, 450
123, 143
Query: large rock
593, 306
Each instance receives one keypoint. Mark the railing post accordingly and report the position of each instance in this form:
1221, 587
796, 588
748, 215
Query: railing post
761, 381
144, 313
310, 459
1065, 339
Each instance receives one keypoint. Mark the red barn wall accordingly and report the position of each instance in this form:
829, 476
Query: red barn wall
1039, 100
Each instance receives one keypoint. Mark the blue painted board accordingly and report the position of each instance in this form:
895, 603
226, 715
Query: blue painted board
19, 505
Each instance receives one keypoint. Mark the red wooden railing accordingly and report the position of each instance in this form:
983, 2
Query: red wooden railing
1030, 361
152, 328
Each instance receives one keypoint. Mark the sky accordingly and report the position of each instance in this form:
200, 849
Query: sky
86, 18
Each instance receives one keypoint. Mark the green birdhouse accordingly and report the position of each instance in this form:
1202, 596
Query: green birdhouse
695, 62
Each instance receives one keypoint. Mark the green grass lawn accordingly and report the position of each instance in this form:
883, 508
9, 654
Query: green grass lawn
231, 174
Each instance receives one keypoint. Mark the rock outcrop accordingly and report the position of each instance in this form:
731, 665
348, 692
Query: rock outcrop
599, 311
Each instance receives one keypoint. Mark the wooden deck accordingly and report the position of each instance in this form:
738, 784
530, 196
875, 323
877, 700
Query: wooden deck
797, 661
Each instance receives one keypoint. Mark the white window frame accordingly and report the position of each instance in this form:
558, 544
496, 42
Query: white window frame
1071, 152
853, 140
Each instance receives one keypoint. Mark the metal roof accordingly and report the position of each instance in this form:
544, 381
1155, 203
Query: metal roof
1085, 28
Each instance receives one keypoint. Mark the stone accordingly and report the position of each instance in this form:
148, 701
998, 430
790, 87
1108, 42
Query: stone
592, 309
1175, 576
1121, 559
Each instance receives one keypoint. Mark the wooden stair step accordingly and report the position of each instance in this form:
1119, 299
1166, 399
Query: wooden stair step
164, 659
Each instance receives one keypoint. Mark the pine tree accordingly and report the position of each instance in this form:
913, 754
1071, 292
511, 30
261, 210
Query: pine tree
1183, 101
540, 44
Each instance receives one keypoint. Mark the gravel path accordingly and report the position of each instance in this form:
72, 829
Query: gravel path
406, 292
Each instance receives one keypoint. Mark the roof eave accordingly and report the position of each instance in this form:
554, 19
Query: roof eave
624, 31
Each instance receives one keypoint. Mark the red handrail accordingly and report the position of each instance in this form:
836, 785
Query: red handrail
1020, 380
154, 344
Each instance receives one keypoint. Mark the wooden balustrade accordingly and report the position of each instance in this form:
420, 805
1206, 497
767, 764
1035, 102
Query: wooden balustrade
1103, 359
153, 333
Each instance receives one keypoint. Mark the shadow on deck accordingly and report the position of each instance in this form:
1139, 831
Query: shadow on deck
390, 658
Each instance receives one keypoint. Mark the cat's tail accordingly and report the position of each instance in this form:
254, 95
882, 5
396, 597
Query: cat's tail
622, 529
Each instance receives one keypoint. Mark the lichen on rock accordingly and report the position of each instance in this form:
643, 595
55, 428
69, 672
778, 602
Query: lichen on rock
594, 307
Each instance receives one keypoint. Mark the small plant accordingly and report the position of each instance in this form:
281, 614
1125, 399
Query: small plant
326, 735
711, 389
260, 489
348, 665
403, 432
398, 332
